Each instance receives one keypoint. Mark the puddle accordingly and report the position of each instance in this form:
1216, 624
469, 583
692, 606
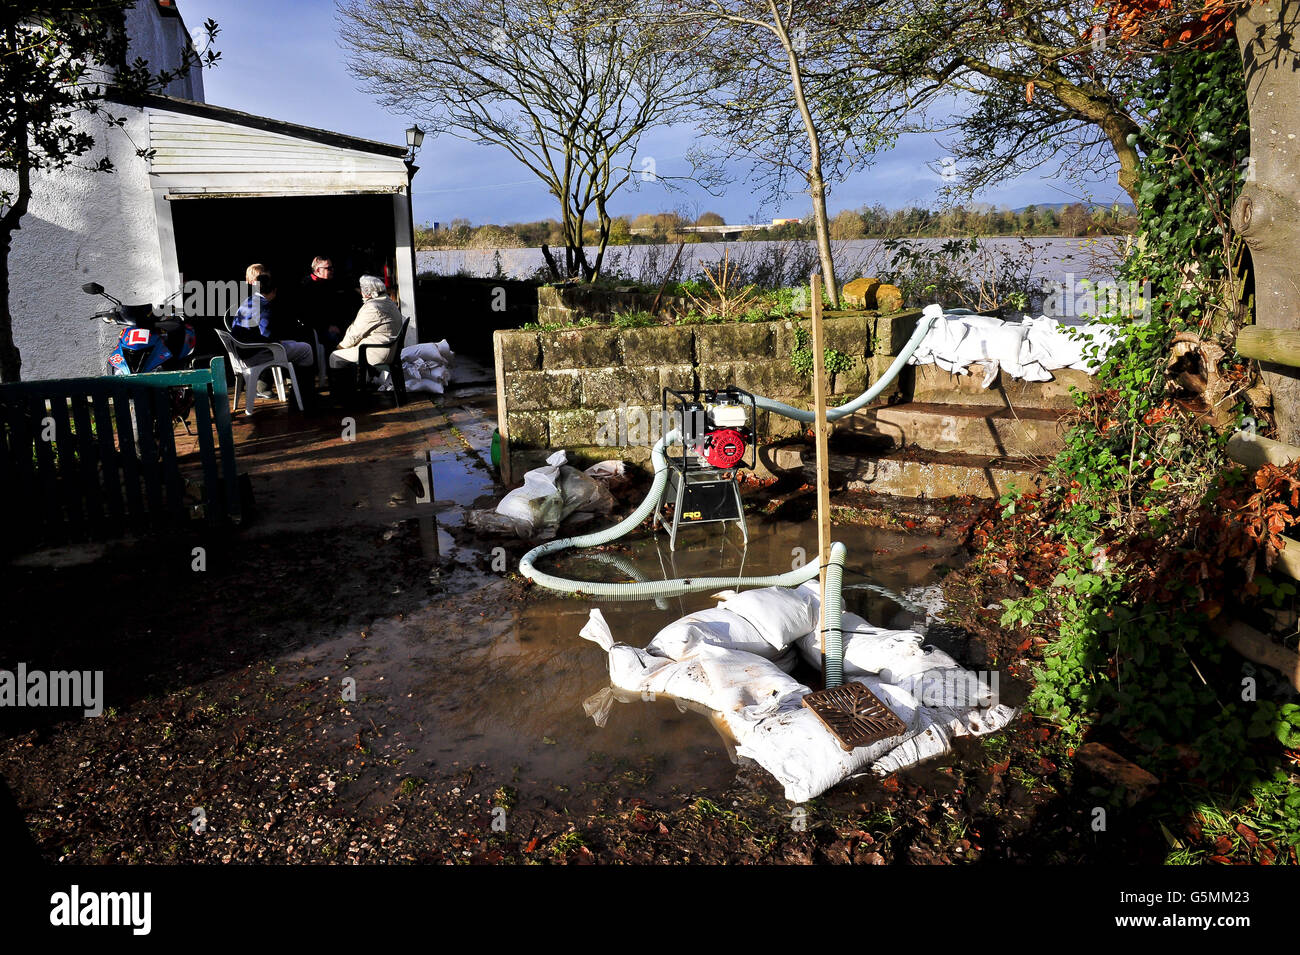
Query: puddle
501, 690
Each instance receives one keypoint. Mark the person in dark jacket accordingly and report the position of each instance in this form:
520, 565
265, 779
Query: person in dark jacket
325, 304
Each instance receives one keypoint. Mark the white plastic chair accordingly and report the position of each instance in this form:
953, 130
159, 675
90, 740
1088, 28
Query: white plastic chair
250, 365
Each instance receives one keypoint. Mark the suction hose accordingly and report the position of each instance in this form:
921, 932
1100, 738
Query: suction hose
929, 315
637, 590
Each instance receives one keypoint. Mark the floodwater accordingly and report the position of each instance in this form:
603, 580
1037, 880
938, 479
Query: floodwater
499, 685
484, 680
1053, 258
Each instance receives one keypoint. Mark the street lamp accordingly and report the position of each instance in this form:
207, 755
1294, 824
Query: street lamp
414, 139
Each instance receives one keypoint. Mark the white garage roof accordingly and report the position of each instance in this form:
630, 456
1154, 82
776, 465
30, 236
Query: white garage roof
198, 149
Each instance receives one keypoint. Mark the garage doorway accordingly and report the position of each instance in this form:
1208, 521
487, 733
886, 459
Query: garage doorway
218, 238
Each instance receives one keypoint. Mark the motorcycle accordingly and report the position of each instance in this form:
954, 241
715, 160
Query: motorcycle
154, 338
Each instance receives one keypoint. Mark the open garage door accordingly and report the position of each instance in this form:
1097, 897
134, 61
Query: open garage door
217, 238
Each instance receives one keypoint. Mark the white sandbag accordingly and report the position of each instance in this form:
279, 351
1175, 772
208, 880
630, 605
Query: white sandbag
717, 627
424, 384
549, 494
538, 503
760, 706
806, 759
438, 352
729, 682
867, 649
607, 470
781, 614
1030, 350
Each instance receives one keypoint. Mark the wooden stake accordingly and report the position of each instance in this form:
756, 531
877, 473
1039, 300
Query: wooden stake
820, 430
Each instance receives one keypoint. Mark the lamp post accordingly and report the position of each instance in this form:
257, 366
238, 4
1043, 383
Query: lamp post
414, 139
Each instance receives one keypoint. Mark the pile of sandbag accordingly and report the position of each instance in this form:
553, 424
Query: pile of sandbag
1030, 349
735, 660
426, 367
549, 495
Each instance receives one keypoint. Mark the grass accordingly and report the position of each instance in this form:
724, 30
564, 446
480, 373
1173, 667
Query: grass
638, 319
567, 843
708, 809
411, 785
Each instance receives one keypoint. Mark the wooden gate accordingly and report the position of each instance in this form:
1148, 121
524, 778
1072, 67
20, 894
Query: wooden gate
93, 458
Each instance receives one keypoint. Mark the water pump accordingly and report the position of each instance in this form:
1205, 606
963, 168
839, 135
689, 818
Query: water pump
718, 429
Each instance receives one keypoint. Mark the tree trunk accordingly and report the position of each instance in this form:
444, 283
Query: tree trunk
11, 362
550, 263
1267, 213
816, 184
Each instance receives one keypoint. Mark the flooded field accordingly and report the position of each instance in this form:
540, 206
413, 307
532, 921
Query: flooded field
360, 676
1054, 258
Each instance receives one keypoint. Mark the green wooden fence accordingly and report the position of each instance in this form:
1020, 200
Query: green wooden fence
93, 458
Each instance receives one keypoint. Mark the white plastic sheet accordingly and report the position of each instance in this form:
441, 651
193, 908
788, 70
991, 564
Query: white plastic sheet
548, 495
1030, 350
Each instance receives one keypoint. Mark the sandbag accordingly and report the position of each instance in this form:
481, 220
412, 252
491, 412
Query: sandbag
867, 649
538, 503
548, 495
717, 627
760, 706
806, 759
729, 682
581, 492
782, 615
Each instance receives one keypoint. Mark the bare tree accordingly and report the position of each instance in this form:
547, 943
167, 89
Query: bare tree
1021, 84
564, 88
786, 93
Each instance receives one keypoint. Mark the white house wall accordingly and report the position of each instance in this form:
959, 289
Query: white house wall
83, 227
187, 145
115, 228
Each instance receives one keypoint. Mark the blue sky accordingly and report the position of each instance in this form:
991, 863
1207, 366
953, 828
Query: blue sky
284, 60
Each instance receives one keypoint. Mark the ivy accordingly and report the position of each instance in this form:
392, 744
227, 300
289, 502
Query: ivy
801, 357
1142, 531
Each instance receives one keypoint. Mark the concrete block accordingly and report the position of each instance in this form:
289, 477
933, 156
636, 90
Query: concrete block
572, 426
584, 347
658, 345
542, 390
734, 341
611, 387
527, 429
519, 350
891, 332
677, 377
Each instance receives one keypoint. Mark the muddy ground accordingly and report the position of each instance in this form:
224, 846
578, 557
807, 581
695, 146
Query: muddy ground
388, 691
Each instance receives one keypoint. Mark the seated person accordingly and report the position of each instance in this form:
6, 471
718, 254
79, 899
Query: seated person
255, 324
377, 323
324, 303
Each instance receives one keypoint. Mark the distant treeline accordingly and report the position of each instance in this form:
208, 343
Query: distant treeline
869, 222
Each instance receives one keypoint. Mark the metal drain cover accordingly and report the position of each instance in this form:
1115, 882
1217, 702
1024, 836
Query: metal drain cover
854, 715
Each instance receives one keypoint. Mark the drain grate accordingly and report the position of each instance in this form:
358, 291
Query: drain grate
854, 715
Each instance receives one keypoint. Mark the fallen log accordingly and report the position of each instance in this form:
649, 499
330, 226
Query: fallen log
1258, 648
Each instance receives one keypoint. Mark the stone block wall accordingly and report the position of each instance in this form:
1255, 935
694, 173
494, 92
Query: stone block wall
563, 304
595, 391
